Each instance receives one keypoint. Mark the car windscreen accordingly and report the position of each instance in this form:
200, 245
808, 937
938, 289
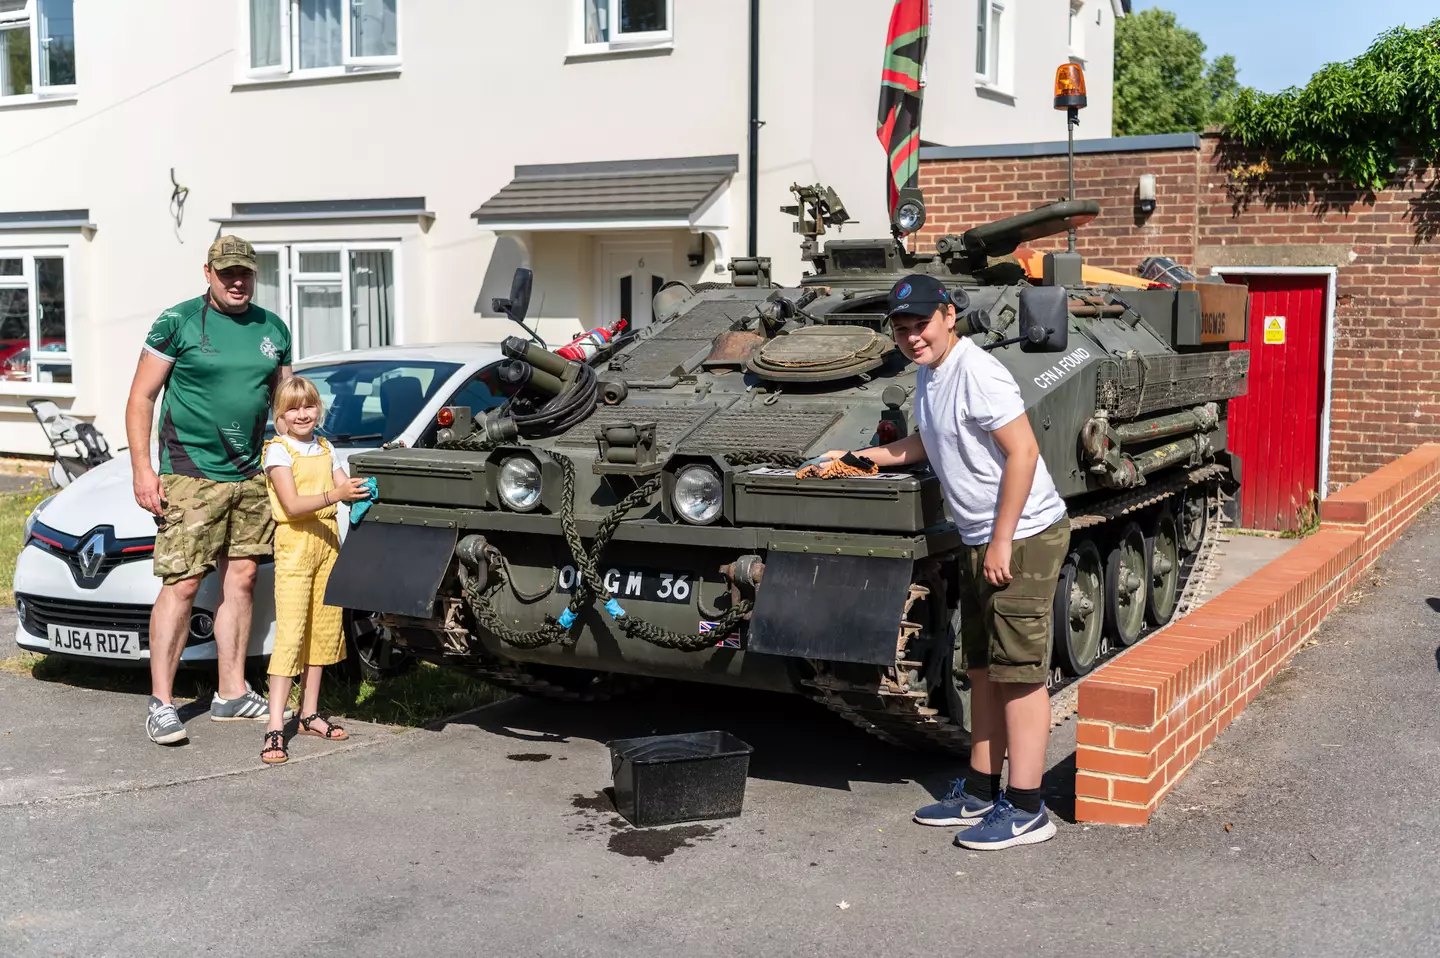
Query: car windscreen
371, 402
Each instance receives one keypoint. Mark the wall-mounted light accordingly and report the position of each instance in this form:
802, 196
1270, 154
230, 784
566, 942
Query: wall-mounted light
1147, 193
695, 256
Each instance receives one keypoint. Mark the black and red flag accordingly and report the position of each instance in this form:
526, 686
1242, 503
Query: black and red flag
901, 93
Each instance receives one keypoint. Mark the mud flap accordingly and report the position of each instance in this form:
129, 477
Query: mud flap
835, 607
386, 567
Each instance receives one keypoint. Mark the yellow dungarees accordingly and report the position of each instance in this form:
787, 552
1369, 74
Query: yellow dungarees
307, 631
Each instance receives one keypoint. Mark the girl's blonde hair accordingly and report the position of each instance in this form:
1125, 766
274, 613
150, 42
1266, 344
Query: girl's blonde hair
295, 392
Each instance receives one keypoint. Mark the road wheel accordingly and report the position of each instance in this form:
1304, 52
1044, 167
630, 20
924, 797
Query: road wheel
1079, 610
1193, 519
372, 653
1125, 574
1162, 550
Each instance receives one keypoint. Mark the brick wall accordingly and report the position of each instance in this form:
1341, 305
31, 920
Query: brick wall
1145, 716
1386, 391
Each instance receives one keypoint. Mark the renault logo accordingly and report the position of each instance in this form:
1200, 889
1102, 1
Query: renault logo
92, 555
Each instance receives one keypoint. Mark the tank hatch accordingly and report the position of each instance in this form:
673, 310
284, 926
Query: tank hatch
820, 354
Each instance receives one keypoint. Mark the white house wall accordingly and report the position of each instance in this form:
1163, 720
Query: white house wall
483, 86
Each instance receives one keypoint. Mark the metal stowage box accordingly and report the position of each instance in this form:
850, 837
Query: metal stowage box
664, 779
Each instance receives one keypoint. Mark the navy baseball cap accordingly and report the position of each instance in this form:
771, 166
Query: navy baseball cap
918, 294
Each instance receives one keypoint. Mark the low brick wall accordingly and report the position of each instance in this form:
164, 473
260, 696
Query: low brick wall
1146, 715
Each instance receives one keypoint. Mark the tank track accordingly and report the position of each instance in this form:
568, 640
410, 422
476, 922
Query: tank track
903, 717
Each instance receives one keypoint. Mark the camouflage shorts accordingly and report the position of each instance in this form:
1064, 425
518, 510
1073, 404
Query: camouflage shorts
205, 519
1008, 630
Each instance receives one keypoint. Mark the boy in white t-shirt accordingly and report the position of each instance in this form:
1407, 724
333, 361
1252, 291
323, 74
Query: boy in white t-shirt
972, 427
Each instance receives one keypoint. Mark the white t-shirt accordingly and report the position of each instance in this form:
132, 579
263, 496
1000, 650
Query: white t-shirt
283, 453
957, 406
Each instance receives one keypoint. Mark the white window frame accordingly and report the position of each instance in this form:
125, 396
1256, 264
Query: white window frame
290, 277
650, 40
28, 280
1077, 29
290, 37
28, 15
997, 76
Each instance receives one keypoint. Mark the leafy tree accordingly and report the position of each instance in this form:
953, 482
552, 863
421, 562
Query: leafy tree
1162, 82
1360, 117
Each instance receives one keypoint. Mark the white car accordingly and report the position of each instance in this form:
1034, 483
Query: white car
84, 584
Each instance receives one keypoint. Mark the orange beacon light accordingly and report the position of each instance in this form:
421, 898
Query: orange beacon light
1069, 87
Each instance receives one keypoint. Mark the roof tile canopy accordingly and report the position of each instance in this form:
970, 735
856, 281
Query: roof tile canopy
607, 192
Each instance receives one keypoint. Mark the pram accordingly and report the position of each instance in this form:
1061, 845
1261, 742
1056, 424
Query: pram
79, 446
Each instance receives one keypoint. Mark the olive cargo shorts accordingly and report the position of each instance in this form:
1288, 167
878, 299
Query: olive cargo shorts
1008, 630
205, 519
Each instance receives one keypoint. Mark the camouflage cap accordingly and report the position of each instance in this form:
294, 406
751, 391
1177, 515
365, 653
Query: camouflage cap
228, 251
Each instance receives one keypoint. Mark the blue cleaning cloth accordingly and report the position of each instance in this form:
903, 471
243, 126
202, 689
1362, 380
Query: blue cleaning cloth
358, 509
614, 609
567, 619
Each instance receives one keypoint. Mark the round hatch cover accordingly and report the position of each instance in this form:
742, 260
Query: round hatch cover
818, 353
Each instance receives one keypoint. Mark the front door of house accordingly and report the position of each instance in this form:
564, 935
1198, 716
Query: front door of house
631, 275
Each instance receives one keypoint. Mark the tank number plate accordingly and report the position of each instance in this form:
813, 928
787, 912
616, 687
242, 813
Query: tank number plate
647, 585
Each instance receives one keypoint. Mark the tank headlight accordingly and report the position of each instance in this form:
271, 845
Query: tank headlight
910, 216
520, 483
699, 494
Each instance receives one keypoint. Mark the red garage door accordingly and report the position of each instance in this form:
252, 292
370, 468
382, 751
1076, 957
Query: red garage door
1275, 427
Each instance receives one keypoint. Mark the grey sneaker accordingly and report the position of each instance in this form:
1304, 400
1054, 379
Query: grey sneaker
250, 707
163, 725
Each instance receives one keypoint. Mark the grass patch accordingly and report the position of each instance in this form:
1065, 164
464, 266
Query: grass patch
14, 508
423, 695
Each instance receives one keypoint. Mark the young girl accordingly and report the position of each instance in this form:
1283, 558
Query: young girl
973, 429
305, 480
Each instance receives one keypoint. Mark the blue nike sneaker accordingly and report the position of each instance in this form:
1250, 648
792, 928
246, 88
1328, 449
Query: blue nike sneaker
1005, 826
958, 807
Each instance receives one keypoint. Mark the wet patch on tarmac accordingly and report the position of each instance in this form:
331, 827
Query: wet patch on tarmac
528, 756
655, 845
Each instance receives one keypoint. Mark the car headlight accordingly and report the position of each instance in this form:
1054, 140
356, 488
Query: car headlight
34, 514
699, 494
520, 483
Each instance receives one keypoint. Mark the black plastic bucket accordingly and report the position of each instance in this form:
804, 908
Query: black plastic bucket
664, 779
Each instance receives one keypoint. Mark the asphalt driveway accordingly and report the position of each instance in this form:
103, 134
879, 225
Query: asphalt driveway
1305, 830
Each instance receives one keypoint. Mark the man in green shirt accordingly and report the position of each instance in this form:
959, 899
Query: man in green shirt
218, 358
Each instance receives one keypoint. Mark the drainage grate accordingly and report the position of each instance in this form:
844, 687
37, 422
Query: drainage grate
756, 430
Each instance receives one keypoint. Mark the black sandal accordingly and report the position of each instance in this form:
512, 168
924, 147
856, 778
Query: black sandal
332, 731
275, 742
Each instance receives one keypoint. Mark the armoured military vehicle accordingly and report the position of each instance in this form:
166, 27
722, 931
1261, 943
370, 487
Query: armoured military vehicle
639, 515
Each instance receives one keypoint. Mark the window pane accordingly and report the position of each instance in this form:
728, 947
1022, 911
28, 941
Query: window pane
372, 31
15, 61
626, 300
267, 282
980, 13
52, 372
372, 299
370, 402
597, 15
326, 262
57, 42
12, 267
14, 320
318, 310
642, 16
265, 33
992, 64
320, 33
50, 300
